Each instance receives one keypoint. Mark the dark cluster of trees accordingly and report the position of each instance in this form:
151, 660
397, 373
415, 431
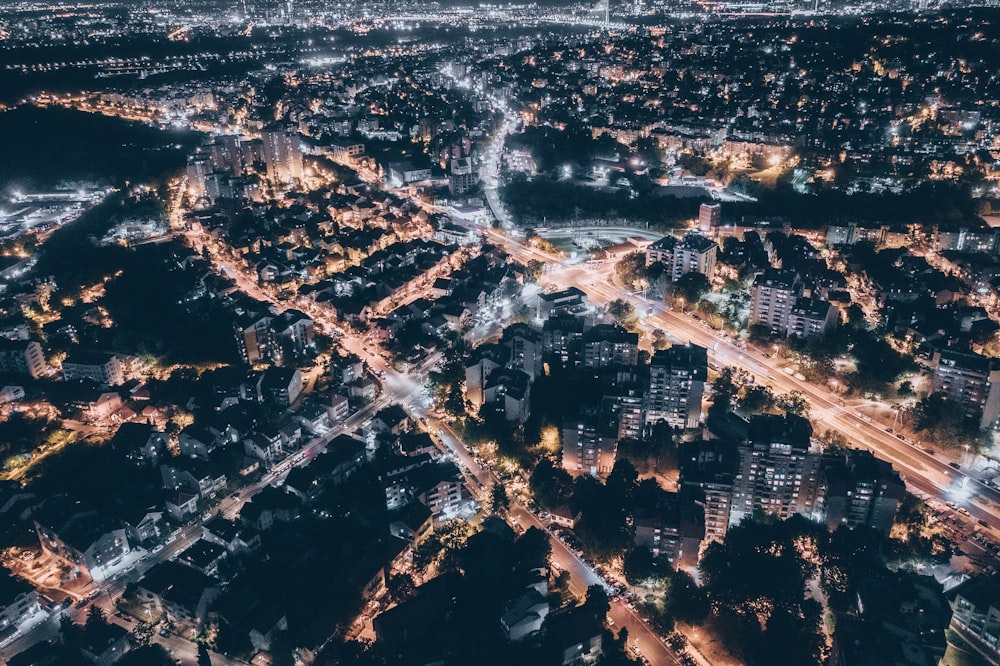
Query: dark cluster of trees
632, 272
877, 365
930, 203
944, 423
544, 198
47, 147
606, 509
487, 574
552, 148
759, 588
145, 292
733, 390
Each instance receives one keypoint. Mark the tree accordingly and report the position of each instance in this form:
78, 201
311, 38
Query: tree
686, 601
939, 421
532, 549
622, 483
723, 391
499, 501
604, 527
95, 617
756, 399
756, 583
69, 632
659, 339
597, 602
692, 286
204, 659
795, 402
639, 566
533, 270
282, 650
623, 313
631, 271
552, 486
149, 655
141, 634
400, 587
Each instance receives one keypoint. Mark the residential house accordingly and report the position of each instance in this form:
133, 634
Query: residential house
509, 392
103, 644
234, 537
18, 601
91, 542
140, 442
181, 593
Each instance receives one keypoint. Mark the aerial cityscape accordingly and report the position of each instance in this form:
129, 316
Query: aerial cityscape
446, 334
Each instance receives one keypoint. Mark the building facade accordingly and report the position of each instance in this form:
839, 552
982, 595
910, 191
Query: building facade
971, 382
676, 386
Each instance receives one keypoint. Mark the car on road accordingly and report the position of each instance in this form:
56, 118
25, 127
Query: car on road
983, 523
954, 465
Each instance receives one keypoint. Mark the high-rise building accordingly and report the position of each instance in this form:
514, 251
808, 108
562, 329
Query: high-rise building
626, 402
609, 346
105, 369
709, 217
282, 156
252, 152
461, 176
859, 490
485, 359
227, 155
811, 316
778, 473
672, 529
508, 391
590, 444
692, 254
254, 338
971, 382
198, 168
676, 386
22, 357
773, 297
525, 348
562, 336
218, 185
708, 471
293, 333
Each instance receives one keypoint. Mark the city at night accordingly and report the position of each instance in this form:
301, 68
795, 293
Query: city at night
605, 333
